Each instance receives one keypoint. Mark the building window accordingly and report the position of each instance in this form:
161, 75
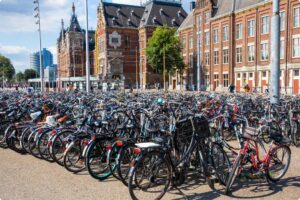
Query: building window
198, 23
225, 56
225, 80
191, 61
264, 74
282, 20
296, 17
184, 42
216, 57
216, 36
282, 49
207, 58
207, 80
225, 33
239, 55
191, 42
216, 79
265, 24
251, 53
251, 75
251, 28
206, 38
207, 17
239, 31
296, 47
296, 72
264, 51
238, 75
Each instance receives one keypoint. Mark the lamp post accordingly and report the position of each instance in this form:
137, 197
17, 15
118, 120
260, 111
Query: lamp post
37, 9
87, 67
275, 54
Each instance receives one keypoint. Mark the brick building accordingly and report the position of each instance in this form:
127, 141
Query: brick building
122, 35
232, 43
71, 55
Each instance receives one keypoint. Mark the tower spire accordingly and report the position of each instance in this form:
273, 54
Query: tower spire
73, 8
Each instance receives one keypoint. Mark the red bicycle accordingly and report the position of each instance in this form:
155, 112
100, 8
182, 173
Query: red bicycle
273, 164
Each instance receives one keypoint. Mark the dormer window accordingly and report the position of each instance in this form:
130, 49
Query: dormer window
129, 22
114, 21
174, 22
179, 13
154, 20
118, 11
161, 11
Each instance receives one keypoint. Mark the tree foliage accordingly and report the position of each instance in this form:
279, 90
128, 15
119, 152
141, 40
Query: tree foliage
6, 68
30, 74
20, 77
164, 37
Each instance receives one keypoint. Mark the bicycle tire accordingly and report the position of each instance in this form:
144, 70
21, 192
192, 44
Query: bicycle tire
221, 168
135, 186
97, 150
269, 173
233, 174
70, 164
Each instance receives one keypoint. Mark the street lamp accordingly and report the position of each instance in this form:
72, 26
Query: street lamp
87, 67
37, 15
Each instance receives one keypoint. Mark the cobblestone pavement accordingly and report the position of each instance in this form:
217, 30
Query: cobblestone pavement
23, 177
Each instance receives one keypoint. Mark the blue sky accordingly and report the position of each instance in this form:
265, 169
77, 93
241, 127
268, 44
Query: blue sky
18, 32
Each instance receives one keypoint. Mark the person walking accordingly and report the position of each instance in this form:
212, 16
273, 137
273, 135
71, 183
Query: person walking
231, 88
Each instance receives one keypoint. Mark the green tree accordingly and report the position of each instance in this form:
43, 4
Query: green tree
6, 68
20, 77
164, 37
30, 74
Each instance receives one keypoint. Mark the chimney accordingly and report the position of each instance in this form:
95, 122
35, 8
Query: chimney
192, 5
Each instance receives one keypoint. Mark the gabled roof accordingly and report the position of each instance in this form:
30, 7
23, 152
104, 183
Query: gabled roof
225, 7
121, 15
188, 22
74, 24
160, 13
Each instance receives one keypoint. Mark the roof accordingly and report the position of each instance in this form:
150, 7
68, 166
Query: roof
225, 7
152, 13
188, 22
74, 24
121, 15
161, 13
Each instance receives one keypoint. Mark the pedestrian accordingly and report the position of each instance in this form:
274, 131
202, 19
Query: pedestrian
92, 89
247, 89
231, 88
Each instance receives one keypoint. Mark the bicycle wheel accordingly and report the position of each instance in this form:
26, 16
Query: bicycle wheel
24, 138
58, 146
43, 146
33, 144
280, 159
150, 177
296, 138
3, 127
233, 173
221, 163
74, 161
126, 155
112, 158
96, 161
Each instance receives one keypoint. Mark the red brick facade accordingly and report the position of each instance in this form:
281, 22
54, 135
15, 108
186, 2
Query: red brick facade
247, 44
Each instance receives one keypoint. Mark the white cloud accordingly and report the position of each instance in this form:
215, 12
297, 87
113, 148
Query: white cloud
13, 50
130, 2
53, 50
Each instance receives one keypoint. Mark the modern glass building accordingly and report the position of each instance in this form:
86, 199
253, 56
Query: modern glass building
47, 60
